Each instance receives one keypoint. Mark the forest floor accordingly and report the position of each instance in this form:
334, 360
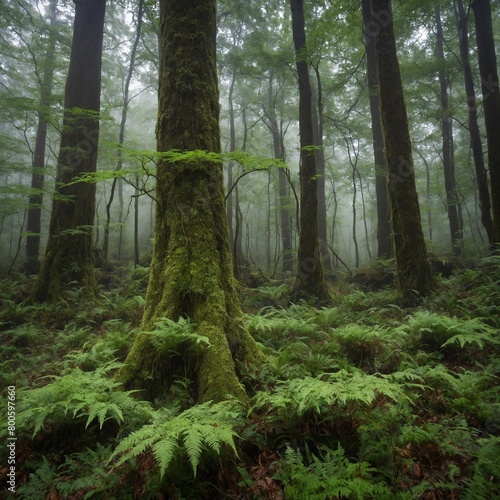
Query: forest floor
362, 399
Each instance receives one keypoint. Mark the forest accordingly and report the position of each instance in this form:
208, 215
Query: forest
250, 250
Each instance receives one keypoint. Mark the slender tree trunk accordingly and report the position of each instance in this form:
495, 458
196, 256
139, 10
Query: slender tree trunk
413, 267
232, 147
136, 222
447, 136
309, 281
365, 221
475, 136
35, 202
191, 271
353, 163
384, 239
354, 219
491, 102
279, 154
268, 220
318, 125
121, 139
427, 191
69, 253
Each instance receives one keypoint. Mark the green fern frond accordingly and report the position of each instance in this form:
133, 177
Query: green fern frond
332, 476
79, 394
164, 451
485, 482
201, 428
169, 334
339, 389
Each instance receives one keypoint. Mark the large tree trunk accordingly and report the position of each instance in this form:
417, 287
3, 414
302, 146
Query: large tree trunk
69, 256
475, 136
413, 267
34, 224
491, 102
309, 281
450, 184
191, 271
384, 239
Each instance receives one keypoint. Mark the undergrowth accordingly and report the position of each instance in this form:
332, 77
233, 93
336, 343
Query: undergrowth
360, 399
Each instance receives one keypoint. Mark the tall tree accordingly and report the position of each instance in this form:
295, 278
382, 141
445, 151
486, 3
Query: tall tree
413, 267
452, 204
191, 271
69, 253
491, 102
309, 280
475, 136
384, 240
34, 222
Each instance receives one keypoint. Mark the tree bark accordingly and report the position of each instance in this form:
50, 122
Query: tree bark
34, 224
309, 281
69, 253
475, 136
413, 268
491, 102
191, 271
385, 246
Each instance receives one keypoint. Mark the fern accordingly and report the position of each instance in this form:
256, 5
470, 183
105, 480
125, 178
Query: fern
473, 331
485, 482
334, 476
169, 334
91, 395
339, 389
203, 427
438, 331
39, 483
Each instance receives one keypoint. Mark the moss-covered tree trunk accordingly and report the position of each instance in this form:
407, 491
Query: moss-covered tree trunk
491, 102
68, 257
413, 267
191, 271
309, 281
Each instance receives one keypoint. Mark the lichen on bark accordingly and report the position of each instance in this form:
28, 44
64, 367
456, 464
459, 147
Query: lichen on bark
191, 271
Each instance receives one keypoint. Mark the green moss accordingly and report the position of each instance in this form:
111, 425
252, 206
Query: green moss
191, 271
